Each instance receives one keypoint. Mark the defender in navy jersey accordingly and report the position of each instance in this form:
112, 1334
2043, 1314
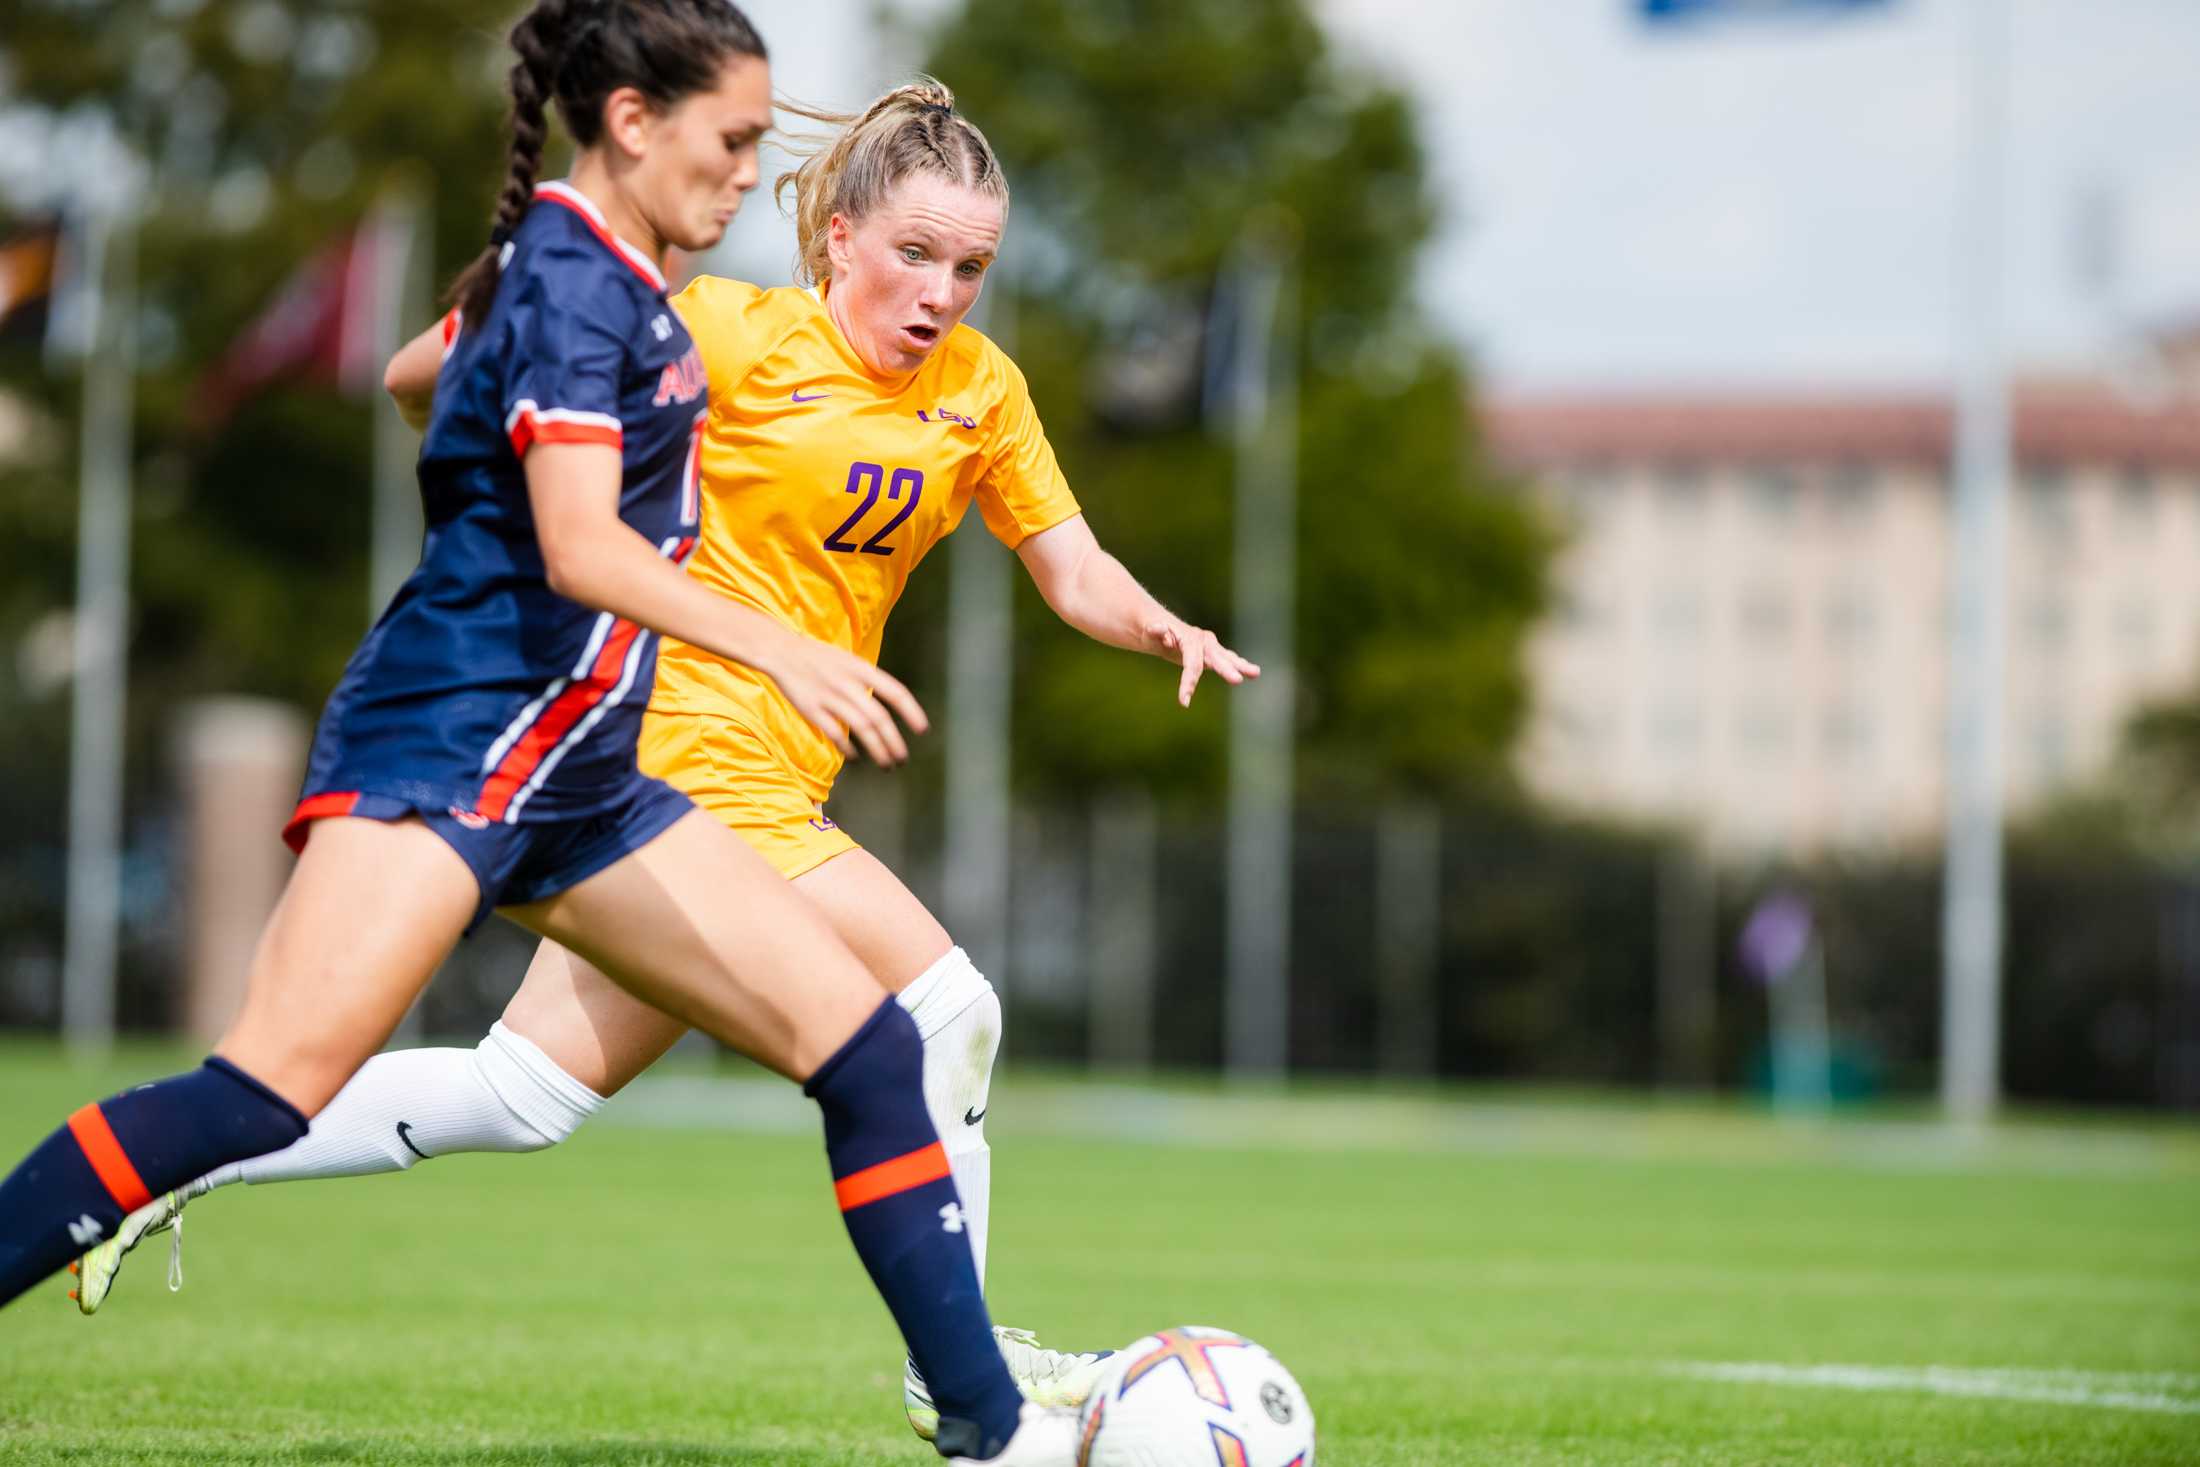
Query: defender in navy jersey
479, 750
481, 693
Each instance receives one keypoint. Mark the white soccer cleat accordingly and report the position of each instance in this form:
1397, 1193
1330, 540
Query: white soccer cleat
1047, 1377
96, 1270
1045, 1437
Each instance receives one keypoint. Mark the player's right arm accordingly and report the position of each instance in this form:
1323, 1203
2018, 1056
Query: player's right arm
592, 556
409, 378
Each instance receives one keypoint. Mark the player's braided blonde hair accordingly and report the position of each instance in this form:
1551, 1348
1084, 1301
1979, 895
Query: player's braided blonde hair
912, 129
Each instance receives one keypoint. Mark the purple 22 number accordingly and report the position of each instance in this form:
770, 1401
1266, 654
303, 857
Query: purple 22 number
865, 479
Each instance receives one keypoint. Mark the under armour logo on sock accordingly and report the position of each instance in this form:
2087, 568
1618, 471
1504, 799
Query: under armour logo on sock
951, 1218
86, 1230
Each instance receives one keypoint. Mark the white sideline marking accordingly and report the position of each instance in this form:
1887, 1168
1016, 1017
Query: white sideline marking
2175, 1394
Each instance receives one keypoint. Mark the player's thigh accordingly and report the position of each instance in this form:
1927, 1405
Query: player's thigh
699, 925
895, 935
370, 910
754, 786
589, 1026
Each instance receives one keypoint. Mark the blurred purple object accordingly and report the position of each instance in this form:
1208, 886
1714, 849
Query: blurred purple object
1776, 936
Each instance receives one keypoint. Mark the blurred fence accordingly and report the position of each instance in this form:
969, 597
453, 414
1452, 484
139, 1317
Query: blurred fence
1491, 944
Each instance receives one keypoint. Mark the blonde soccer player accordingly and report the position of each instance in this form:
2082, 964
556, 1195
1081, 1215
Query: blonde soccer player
853, 423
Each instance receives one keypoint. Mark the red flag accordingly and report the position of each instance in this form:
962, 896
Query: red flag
319, 327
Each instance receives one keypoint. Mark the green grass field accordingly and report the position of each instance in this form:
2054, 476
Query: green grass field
1456, 1278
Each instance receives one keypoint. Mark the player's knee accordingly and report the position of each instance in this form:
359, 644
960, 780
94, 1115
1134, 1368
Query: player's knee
874, 1072
959, 1015
546, 1104
952, 996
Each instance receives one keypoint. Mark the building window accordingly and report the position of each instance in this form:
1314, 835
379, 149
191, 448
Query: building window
1762, 732
2049, 507
1682, 493
1588, 491
1577, 730
1773, 495
2134, 629
1677, 617
2047, 622
1851, 619
2050, 747
1581, 613
1766, 615
1676, 731
1846, 733
2135, 502
1852, 495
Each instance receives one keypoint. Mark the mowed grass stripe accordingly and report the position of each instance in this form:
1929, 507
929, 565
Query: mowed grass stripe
2176, 1394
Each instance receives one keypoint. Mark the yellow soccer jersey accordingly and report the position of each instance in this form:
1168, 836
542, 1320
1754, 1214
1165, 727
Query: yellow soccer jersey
823, 487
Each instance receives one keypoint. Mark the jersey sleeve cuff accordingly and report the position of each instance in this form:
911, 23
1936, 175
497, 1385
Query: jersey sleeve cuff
529, 424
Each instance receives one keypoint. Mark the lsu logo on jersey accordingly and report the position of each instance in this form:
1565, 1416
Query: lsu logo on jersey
942, 415
681, 381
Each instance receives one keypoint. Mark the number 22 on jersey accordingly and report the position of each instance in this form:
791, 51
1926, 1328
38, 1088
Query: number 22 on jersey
869, 480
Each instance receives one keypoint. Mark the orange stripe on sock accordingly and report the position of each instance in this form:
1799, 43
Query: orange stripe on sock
105, 1153
889, 1177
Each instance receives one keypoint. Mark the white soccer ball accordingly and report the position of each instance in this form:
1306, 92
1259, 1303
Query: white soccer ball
1195, 1397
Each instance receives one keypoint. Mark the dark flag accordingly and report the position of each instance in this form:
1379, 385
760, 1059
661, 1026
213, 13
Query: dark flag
319, 328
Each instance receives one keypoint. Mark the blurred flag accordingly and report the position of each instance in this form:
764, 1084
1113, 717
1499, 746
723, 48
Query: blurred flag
320, 327
1776, 937
28, 260
1663, 10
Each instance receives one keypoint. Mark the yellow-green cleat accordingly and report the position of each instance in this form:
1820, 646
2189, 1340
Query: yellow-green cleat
95, 1271
1051, 1378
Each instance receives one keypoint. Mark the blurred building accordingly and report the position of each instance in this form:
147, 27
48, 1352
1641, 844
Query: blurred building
1750, 632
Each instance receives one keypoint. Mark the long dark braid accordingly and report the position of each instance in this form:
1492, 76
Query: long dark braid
576, 53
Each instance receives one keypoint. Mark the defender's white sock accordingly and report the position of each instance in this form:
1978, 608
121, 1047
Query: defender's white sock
959, 1017
402, 1107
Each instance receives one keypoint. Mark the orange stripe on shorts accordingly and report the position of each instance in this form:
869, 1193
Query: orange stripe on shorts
889, 1177
105, 1153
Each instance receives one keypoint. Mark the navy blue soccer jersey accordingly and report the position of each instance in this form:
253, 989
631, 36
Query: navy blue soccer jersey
481, 691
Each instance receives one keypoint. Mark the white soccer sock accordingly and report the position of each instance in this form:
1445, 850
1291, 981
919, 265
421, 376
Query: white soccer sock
959, 1016
502, 1095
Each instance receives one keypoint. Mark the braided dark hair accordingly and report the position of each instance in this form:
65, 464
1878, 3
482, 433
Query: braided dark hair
576, 53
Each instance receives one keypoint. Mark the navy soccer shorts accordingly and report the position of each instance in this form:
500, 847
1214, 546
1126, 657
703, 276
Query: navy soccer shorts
526, 861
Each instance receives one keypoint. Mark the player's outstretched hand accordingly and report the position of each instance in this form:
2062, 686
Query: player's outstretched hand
847, 699
1198, 650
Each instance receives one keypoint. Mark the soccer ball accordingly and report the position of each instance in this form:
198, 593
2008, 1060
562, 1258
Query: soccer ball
1195, 1397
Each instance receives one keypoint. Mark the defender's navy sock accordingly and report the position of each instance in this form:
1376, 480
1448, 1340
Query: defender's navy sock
115, 1156
903, 1215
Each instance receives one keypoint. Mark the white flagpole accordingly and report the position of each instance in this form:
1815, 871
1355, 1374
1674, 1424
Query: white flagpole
94, 910
399, 229
1971, 914
1257, 977
975, 881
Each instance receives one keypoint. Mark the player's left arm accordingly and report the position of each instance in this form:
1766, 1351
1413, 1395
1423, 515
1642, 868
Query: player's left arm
1090, 589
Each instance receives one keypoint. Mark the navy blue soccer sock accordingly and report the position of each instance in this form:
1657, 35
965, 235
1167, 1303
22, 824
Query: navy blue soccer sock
904, 1216
118, 1154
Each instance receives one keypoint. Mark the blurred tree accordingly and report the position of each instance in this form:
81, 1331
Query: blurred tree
266, 128
2163, 741
1140, 136
2145, 802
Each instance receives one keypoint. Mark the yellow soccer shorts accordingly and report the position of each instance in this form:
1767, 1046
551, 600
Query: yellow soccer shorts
743, 780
